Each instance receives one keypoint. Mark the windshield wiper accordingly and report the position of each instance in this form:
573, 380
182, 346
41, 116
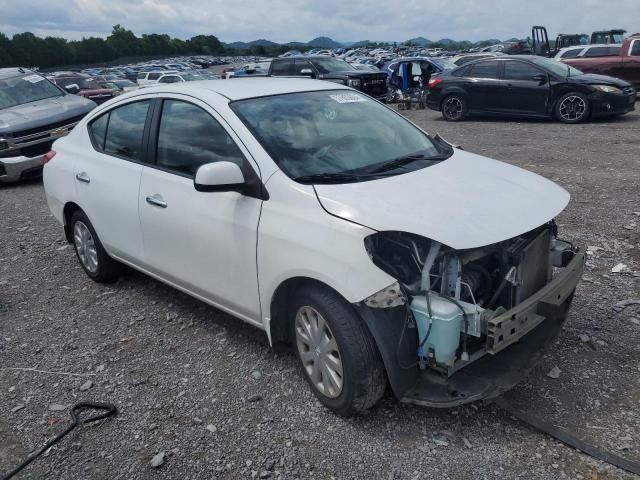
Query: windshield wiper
328, 178
402, 161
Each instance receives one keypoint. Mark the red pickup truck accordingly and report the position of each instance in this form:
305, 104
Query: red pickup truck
625, 65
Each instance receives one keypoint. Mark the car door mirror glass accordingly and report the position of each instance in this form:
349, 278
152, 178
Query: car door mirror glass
222, 176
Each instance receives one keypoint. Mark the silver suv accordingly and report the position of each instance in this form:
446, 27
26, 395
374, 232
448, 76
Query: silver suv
33, 113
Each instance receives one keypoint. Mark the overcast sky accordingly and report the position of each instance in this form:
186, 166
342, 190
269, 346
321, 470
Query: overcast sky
302, 20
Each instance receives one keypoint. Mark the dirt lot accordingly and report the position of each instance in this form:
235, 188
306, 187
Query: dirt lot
185, 376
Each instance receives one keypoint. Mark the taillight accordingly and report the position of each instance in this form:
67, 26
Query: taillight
434, 81
48, 156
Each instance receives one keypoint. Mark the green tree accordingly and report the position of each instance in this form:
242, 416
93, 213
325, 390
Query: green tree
6, 47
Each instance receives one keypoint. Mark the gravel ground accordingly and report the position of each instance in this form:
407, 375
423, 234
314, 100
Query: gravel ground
206, 391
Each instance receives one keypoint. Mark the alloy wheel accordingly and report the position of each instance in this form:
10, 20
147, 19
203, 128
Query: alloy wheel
319, 352
453, 108
572, 108
85, 246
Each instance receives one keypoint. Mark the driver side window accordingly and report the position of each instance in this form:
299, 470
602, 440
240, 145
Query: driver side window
189, 137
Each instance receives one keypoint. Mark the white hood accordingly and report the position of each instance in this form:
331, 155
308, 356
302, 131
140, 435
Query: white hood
467, 201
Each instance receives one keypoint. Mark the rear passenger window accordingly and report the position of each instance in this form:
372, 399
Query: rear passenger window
514, 70
98, 129
462, 71
154, 76
281, 68
125, 130
189, 137
485, 70
602, 51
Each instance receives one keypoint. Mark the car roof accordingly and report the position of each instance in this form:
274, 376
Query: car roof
14, 72
251, 87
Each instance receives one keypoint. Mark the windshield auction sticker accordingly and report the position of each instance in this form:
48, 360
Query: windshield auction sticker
347, 98
33, 78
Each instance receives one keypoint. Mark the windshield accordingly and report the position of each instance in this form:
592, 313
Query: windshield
24, 89
331, 65
333, 132
557, 68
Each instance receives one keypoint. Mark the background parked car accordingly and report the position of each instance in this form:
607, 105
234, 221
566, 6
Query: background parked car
146, 79
186, 77
622, 61
528, 86
33, 113
333, 69
83, 85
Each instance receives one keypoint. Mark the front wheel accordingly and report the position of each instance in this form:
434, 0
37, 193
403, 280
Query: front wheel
336, 351
454, 108
573, 107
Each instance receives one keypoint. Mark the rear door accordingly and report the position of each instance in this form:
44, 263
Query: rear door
108, 177
485, 86
522, 93
204, 242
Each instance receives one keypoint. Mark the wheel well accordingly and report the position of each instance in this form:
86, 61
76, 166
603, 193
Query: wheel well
279, 326
69, 209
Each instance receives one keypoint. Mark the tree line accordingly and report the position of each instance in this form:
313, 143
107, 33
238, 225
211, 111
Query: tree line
29, 50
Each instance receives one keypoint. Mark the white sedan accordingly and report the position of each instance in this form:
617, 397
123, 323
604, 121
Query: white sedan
380, 254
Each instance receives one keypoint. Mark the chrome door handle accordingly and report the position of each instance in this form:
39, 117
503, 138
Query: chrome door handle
157, 201
83, 177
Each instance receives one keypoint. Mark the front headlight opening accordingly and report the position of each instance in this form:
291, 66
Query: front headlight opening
607, 88
354, 83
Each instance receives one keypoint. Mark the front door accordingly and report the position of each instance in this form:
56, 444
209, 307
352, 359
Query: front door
204, 242
524, 91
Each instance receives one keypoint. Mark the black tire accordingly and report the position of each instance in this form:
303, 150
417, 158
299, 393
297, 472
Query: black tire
454, 108
364, 378
107, 269
573, 107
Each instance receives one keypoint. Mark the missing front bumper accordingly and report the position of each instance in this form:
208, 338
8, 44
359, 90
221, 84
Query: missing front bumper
537, 322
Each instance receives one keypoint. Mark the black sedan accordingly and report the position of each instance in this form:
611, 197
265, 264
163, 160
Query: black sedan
528, 86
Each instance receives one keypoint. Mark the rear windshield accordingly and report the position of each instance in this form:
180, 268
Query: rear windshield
25, 89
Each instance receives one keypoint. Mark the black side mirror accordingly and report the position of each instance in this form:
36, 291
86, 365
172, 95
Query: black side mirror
73, 89
541, 78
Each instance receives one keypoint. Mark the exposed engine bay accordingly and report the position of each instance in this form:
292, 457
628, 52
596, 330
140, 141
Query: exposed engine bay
455, 300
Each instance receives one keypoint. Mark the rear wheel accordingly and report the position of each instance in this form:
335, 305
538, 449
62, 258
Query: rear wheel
93, 258
573, 107
454, 108
337, 353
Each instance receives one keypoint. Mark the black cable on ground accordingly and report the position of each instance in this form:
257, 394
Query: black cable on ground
108, 409
568, 438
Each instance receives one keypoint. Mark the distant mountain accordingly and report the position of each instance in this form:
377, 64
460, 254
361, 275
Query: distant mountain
245, 45
445, 41
323, 42
421, 41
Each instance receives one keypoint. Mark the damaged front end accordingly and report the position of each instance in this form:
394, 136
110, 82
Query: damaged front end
464, 325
